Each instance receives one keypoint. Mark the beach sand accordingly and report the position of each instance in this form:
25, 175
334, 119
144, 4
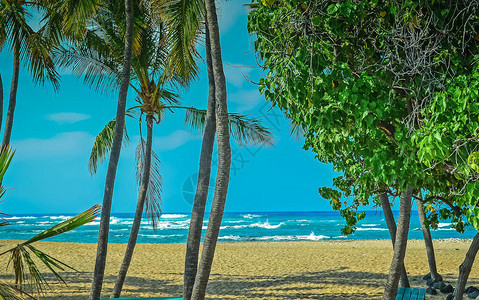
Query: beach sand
258, 270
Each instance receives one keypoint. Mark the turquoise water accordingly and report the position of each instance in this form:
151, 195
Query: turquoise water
173, 228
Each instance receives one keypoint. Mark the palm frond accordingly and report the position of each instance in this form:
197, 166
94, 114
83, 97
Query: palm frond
10, 292
296, 130
153, 194
244, 130
102, 145
184, 19
24, 267
70, 224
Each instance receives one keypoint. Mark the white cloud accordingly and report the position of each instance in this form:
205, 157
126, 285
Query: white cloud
235, 74
67, 117
228, 14
66, 144
173, 140
245, 99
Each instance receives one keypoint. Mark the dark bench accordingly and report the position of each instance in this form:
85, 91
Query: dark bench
409, 294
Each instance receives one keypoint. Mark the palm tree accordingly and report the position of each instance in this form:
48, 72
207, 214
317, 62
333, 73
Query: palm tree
149, 77
33, 48
1, 100
391, 224
465, 268
400, 245
224, 155
202, 187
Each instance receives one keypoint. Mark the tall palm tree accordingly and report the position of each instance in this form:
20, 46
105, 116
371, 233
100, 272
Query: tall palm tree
149, 76
400, 245
224, 155
202, 187
30, 47
114, 158
1, 101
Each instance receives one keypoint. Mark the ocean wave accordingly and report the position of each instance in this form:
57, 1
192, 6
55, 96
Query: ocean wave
310, 237
371, 225
173, 216
441, 225
230, 237
250, 216
264, 225
371, 229
19, 218
160, 235
59, 217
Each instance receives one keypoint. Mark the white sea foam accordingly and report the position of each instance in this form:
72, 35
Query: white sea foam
173, 216
441, 225
264, 225
19, 218
230, 237
370, 225
310, 237
371, 229
250, 216
59, 217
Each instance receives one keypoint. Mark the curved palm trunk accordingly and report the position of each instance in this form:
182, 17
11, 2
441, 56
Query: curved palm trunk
198, 211
465, 268
13, 98
1, 101
391, 223
113, 163
135, 228
400, 246
431, 257
224, 157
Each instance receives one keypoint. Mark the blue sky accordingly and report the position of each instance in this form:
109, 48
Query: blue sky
53, 135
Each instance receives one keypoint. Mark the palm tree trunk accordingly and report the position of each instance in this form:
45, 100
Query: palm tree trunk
400, 246
465, 268
198, 211
1, 101
135, 228
224, 157
391, 223
431, 257
13, 97
113, 163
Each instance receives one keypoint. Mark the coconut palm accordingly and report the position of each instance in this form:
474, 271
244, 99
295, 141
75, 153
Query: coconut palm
26, 272
150, 77
31, 47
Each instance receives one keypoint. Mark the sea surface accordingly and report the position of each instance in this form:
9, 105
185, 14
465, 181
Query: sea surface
277, 226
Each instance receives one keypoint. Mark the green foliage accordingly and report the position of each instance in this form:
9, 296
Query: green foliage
385, 91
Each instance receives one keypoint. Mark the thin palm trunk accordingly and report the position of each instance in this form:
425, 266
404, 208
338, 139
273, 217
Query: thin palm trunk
1, 101
135, 228
114, 157
431, 257
224, 156
198, 211
391, 223
13, 97
465, 268
400, 246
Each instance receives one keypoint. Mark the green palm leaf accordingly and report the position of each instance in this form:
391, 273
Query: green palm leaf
184, 19
102, 145
153, 194
244, 130
25, 268
10, 292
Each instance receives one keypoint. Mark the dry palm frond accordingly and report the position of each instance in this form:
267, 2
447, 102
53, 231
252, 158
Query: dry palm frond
153, 194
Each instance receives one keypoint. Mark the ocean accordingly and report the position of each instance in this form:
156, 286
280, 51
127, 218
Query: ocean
236, 227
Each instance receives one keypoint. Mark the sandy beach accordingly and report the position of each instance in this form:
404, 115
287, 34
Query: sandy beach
258, 270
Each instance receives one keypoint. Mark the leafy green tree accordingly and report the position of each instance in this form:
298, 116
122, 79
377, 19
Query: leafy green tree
358, 77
